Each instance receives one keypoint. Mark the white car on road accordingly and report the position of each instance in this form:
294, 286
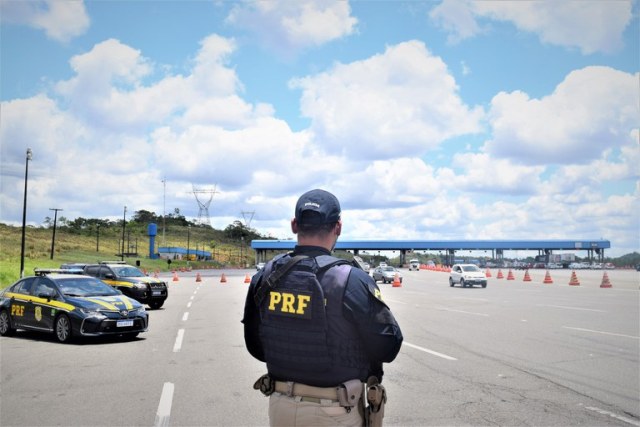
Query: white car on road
467, 275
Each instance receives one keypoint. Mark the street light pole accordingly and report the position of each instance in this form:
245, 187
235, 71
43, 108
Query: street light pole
55, 220
98, 238
124, 223
24, 210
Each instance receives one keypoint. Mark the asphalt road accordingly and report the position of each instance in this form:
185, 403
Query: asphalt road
515, 354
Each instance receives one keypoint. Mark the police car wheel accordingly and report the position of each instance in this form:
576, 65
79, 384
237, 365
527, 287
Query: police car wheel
5, 324
63, 328
156, 304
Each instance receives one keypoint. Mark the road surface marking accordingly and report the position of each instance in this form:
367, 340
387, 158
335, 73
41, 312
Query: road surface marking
185, 316
612, 415
435, 353
178, 343
462, 311
164, 407
572, 308
601, 332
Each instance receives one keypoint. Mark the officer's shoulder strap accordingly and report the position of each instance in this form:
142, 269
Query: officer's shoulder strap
325, 262
273, 277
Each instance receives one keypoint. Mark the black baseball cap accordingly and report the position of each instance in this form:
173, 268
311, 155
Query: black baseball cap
317, 207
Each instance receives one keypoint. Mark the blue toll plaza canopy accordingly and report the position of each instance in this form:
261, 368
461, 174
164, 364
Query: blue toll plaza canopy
450, 246
445, 245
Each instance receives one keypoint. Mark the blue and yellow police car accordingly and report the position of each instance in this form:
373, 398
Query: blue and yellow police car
130, 281
69, 305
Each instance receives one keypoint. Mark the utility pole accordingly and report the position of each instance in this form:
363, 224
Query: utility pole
24, 210
124, 223
55, 220
164, 208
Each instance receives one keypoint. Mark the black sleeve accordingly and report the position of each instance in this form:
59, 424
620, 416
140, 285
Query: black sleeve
378, 328
251, 321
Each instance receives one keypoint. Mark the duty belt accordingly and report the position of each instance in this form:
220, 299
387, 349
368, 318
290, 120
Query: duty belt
296, 389
347, 394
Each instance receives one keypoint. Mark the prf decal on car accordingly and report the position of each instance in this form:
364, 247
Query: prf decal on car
17, 310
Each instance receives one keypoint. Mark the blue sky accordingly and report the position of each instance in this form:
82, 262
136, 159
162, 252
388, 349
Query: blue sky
429, 120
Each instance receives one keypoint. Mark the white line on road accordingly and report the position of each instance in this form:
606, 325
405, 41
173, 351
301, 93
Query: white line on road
435, 353
462, 311
572, 308
601, 332
612, 415
189, 304
178, 343
185, 316
164, 407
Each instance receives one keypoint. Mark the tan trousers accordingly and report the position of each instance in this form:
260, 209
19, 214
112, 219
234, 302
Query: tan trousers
292, 411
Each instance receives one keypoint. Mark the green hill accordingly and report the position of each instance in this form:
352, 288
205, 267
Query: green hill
85, 245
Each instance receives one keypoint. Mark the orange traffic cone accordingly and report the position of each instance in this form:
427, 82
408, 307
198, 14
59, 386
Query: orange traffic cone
396, 281
223, 279
527, 278
198, 278
605, 281
547, 278
510, 276
175, 276
487, 272
247, 279
500, 275
574, 280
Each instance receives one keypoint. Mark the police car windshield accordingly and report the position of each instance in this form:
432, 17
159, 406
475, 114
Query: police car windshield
85, 287
128, 271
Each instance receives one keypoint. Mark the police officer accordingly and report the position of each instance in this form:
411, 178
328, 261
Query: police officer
320, 325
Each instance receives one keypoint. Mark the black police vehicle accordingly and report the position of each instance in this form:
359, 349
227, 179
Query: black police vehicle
69, 305
131, 282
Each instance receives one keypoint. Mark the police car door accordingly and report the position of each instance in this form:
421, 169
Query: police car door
43, 292
21, 304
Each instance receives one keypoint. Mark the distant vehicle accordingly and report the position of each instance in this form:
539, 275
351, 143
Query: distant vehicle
467, 275
387, 274
69, 305
382, 264
609, 266
554, 266
131, 282
366, 267
414, 264
259, 266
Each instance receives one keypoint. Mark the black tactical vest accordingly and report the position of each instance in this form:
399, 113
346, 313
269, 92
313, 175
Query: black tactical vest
305, 335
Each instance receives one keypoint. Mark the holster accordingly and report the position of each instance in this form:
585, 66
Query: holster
376, 399
265, 384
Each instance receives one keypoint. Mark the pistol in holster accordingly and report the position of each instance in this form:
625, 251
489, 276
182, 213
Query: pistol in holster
265, 384
376, 398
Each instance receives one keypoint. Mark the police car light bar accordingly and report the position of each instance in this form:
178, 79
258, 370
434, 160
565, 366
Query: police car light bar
45, 271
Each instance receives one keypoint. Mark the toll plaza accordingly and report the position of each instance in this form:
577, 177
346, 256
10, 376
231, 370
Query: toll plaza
594, 248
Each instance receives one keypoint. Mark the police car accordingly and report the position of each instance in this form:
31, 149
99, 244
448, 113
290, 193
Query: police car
131, 282
69, 305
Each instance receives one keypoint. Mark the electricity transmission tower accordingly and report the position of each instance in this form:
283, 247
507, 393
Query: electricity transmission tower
246, 214
203, 204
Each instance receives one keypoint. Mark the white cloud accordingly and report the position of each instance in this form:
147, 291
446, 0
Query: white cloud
392, 104
292, 25
593, 109
61, 20
591, 26
482, 173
